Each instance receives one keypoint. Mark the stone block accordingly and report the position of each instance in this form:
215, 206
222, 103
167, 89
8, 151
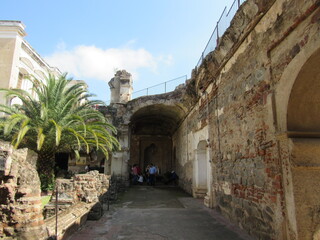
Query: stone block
8, 231
259, 179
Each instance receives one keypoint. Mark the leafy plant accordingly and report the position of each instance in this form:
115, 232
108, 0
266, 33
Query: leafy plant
55, 116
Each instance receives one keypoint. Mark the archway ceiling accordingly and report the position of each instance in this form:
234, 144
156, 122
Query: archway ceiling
304, 102
157, 119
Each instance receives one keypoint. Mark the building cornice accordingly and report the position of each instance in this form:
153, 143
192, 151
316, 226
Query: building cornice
9, 29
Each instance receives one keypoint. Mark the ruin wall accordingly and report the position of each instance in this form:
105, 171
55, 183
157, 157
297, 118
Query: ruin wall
236, 115
20, 195
78, 198
21, 210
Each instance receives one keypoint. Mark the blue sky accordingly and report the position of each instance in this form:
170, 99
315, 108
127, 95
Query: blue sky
154, 40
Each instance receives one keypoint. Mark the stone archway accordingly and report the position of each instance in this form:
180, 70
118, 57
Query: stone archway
293, 140
298, 136
151, 129
303, 125
200, 174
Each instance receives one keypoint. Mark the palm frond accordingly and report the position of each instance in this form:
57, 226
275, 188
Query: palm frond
22, 132
58, 131
40, 138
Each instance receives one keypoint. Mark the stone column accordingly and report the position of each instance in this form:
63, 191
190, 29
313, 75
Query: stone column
121, 87
119, 165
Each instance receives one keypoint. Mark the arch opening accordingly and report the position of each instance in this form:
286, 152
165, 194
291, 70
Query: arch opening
304, 102
151, 131
200, 188
303, 127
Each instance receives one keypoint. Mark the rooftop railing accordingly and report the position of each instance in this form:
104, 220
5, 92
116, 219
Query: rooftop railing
160, 88
221, 26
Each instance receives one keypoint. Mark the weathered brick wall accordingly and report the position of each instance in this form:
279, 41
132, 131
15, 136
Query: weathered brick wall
233, 128
20, 200
20, 196
89, 187
80, 188
76, 198
237, 86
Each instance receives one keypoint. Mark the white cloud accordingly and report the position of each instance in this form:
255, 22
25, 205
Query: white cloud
85, 62
61, 46
168, 59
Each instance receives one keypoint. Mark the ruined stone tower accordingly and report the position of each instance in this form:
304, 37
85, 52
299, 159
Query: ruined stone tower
121, 87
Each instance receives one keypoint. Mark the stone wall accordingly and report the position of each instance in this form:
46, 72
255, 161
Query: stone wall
243, 89
20, 196
135, 120
21, 215
245, 127
82, 187
76, 198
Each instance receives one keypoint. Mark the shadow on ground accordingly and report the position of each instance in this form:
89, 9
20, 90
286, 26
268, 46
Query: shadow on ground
152, 213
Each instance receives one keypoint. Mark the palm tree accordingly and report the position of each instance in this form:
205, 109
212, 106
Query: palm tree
57, 117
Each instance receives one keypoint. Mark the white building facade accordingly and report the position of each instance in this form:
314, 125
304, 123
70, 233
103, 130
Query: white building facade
18, 59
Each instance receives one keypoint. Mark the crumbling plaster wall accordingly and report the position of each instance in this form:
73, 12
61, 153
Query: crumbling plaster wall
117, 162
300, 178
243, 101
193, 130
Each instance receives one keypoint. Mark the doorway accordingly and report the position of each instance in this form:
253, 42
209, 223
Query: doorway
200, 188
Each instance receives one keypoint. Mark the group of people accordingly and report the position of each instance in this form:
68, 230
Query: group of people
136, 174
149, 175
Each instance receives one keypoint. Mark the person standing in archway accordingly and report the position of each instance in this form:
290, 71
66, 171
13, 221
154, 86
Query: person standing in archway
135, 174
147, 174
152, 174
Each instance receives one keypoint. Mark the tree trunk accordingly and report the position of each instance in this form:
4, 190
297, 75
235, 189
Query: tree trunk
45, 168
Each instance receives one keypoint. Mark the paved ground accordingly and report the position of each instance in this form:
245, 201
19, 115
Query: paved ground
158, 213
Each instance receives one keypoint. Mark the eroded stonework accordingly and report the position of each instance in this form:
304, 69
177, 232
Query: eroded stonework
77, 198
242, 133
20, 196
247, 137
21, 212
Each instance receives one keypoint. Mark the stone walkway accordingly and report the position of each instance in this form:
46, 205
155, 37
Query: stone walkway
158, 213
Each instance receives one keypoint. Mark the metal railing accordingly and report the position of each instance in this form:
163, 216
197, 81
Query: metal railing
160, 88
222, 24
